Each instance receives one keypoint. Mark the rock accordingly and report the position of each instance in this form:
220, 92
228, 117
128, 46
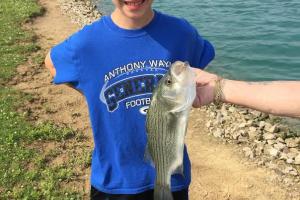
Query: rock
273, 152
253, 133
227, 133
271, 142
224, 111
242, 125
208, 124
250, 123
292, 142
292, 155
247, 117
272, 129
267, 126
231, 109
235, 135
255, 113
282, 135
219, 117
288, 181
80, 12
283, 156
218, 133
283, 128
279, 146
297, 160
279, 139
259, 150
242, 139
76, 114
213, 114
290, 161
260, 132
248, 152
286, 150
271, 165
243, 133
264, 116
269, 136
294, 150
261, 124
261, 163
252, 129
290, 170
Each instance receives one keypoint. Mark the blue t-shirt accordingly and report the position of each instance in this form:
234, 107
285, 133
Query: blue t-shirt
116, 69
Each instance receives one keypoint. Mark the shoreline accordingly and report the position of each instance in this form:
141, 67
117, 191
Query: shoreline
264, 139
81, 12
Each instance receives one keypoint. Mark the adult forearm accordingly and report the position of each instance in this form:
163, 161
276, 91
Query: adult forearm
278, 97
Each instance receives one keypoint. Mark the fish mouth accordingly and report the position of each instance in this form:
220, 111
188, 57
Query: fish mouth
179, 68
182, 72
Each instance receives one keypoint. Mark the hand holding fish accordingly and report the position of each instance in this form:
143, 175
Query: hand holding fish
205, 87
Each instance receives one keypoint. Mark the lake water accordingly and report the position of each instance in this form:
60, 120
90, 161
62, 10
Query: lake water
254, 39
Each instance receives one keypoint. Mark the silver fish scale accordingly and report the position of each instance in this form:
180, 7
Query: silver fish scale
162, 137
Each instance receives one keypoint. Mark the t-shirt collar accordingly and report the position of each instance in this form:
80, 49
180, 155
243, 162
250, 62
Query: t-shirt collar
131, 32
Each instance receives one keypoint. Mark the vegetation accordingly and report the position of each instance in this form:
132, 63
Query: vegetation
35, 161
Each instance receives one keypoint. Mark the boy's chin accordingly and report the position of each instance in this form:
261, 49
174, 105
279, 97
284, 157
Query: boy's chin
137, 15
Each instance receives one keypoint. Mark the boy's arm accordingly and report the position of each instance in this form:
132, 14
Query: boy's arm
50, 66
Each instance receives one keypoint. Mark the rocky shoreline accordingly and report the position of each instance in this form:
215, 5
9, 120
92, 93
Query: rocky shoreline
262, 138
81, 12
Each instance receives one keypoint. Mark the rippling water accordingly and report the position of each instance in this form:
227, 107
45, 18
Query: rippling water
254, 39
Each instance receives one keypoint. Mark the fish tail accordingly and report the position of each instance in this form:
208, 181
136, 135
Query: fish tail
162, 192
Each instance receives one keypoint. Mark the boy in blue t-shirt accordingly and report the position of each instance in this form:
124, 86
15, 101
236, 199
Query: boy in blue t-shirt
115, 63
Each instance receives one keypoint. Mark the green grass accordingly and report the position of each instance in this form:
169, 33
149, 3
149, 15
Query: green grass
28, 154
15, 44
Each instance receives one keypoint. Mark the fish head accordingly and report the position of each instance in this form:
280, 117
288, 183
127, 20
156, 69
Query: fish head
178, 87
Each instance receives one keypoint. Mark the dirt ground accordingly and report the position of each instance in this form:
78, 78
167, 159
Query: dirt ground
218, 170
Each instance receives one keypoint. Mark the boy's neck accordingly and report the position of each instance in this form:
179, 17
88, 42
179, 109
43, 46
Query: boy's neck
131, 23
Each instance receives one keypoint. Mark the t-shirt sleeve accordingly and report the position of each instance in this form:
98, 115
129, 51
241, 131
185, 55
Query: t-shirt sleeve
66, 59
204, 51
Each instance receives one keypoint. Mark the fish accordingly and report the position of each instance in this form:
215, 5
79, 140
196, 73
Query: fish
166, 125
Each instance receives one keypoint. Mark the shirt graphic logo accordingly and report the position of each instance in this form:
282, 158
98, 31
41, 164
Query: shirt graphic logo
130, 87
129, 84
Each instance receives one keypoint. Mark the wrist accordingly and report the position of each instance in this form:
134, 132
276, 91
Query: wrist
218, 96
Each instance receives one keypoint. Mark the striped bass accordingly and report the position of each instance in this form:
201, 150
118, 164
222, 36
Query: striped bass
166, 125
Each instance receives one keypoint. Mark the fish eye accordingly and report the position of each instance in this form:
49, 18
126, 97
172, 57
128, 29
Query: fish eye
168, 81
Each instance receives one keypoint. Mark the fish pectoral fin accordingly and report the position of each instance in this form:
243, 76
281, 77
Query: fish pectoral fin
148, 157
179, 170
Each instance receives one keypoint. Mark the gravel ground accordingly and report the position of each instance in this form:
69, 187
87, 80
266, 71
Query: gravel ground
263, 138
81, 12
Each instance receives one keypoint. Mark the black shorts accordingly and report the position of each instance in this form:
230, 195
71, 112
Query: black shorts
148, 195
